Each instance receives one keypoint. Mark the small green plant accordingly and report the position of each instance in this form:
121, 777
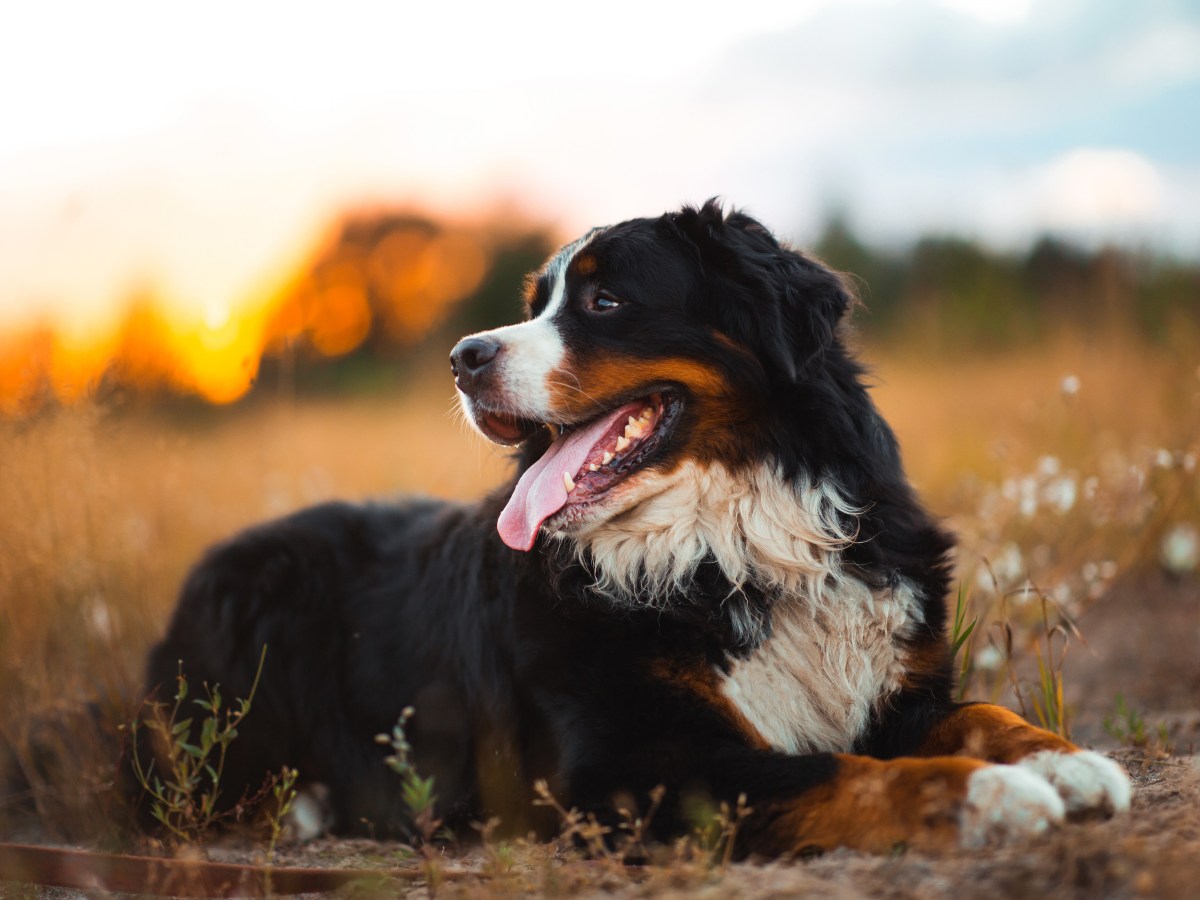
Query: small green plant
417, 792
1128, 726
960, 639
728, 820
183, 781
1046, 697
501, 857
283, 792
714, 830
419, 799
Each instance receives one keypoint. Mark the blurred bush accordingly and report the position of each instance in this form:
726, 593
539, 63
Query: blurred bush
949, 292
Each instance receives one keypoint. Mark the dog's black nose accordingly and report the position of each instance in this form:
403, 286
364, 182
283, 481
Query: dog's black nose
470, 359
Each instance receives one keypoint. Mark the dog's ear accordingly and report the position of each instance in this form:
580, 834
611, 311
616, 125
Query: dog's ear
772, 298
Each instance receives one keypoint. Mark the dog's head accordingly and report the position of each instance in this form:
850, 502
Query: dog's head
656, 351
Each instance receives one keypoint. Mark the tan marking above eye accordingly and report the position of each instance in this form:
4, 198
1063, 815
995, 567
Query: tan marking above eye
585, 264
529, 290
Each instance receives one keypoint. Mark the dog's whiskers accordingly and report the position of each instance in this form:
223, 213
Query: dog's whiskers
578, 389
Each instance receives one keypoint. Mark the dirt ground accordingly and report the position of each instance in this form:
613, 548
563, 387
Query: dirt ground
1143, 641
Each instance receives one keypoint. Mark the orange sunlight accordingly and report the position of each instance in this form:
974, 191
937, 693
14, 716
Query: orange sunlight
397, 276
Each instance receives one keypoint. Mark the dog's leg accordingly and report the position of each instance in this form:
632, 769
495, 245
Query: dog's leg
801, 804
1088, 782
933, 803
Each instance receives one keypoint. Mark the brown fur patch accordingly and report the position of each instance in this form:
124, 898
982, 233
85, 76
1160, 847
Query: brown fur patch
924, 661
701, 680
730, 344
529, 289
990, 732
586, 388
585, 264
872, 805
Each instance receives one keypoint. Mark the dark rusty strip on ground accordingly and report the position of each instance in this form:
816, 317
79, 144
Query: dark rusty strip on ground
55, 867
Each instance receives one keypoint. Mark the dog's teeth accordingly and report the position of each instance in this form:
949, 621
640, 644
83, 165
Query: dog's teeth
646, 414
608, 457
635, 429
568, 482
622, 443
593, 468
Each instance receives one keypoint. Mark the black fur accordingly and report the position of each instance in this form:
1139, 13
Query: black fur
516, 669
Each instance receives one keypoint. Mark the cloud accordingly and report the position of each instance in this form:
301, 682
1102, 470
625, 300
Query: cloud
1092, 187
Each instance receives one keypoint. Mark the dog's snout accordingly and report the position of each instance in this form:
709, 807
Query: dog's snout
470, 359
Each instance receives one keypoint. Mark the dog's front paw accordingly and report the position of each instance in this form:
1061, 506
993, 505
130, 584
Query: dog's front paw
1007, 803
1088, 782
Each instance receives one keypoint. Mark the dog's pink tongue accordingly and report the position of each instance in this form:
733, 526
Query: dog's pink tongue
541, 493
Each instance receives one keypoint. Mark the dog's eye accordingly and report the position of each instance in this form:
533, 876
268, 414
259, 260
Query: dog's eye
602, 303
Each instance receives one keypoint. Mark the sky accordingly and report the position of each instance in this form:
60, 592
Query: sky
197, 151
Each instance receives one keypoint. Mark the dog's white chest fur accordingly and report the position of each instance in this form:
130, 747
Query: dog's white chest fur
812, 685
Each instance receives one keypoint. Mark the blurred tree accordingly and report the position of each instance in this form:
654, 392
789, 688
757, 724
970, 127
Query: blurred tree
498, 298
878, 276
388, 286
956, 288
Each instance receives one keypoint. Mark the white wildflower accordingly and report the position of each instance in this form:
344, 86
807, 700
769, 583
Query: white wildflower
1180, 549
989, 659
1070, 385
99, 619
1008, 565
1029, 503
1048, 466
1060, 494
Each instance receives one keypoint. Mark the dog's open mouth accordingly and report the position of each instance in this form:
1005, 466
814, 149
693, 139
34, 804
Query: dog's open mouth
585, 462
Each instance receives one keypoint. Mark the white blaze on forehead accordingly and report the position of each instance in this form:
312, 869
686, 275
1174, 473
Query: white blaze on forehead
555, 272
533, 350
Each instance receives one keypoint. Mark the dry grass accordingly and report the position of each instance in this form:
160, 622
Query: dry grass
104, 511
1062, 470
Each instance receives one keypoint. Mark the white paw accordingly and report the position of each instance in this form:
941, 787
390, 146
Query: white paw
1087, 781
1006, 803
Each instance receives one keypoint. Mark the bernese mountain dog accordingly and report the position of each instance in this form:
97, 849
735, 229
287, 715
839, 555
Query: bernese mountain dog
709, 574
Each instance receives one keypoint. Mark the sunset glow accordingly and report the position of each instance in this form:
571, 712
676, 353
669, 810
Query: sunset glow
402, 283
